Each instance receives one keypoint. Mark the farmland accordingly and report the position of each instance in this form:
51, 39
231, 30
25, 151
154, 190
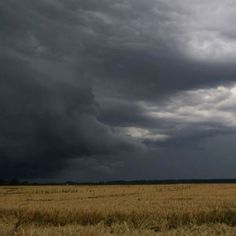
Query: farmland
134, 210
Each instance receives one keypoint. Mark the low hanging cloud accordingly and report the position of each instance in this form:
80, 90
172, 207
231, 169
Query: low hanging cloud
205, 109
198, 110
216, 105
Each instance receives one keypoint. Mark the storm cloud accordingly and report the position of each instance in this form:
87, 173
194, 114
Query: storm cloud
92, 89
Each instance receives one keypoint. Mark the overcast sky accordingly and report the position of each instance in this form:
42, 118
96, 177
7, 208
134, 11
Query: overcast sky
117, 89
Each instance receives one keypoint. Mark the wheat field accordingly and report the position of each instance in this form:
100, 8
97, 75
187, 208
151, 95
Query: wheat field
129, 210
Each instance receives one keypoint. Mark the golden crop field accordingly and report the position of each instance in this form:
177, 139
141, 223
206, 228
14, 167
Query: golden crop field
129, 210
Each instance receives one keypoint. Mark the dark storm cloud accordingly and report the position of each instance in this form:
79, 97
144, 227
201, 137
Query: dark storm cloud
43, 127
47, 119
94, 83
44, 124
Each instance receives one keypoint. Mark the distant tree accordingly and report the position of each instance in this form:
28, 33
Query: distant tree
14, 181
3, 182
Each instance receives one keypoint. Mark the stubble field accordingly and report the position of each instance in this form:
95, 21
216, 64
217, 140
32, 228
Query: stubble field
129, 210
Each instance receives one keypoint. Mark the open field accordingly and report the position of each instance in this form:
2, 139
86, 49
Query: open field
129, 210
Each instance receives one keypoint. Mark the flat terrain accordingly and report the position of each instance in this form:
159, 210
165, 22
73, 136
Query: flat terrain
131, 210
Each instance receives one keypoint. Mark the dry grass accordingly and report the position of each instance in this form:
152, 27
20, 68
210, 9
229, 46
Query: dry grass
118, 210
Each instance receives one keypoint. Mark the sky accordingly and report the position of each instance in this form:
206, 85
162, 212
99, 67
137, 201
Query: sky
117, 89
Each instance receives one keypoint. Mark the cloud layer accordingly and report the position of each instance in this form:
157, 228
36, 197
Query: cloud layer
91, 89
